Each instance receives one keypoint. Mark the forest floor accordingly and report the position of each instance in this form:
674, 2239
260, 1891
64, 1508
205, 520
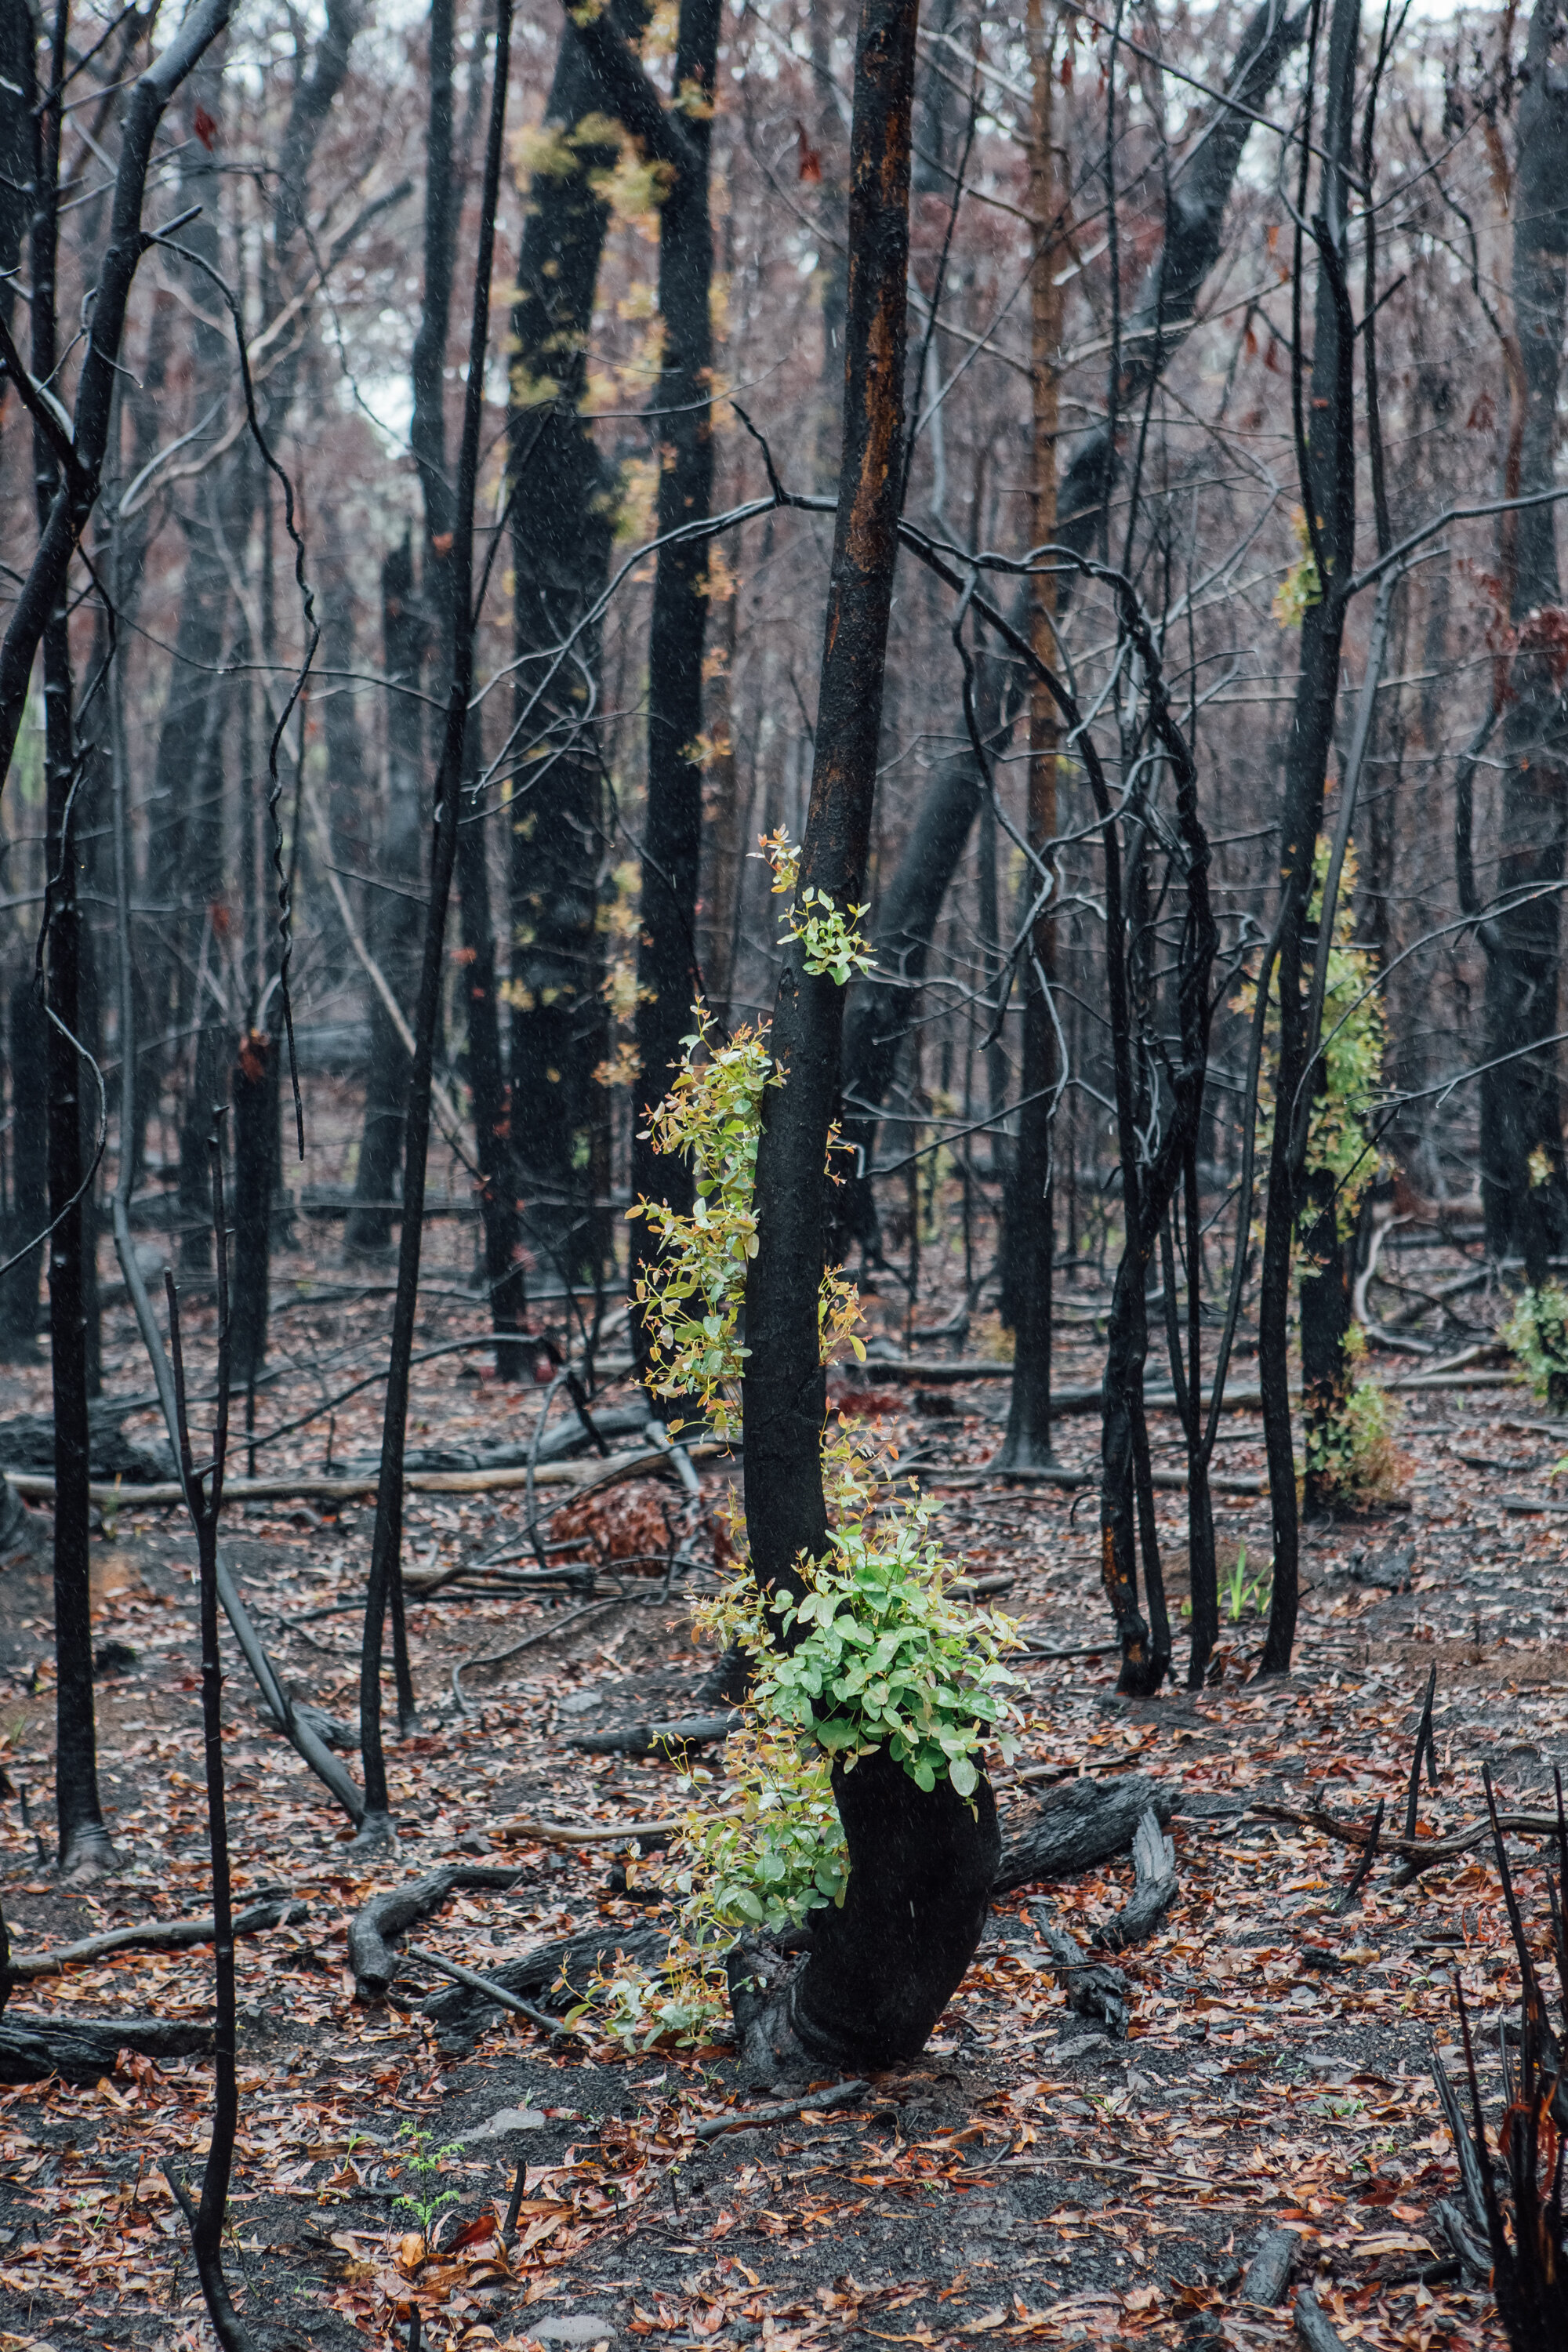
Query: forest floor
1029, 2181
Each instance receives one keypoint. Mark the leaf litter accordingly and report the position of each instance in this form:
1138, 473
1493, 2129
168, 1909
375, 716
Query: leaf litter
1029, 2181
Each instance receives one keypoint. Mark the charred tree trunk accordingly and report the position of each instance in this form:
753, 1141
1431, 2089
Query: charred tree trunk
254, 1086
83, 1840
669, 980
30, 1059
1326, 458
1028, 1236
394, 914
385, 1562
504, 1277
1523, 1183
883, 1967
563, 502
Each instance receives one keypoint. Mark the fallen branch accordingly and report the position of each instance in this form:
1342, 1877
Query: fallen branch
391, 1914
788, 2111
307, 1488
529, 1642
556, 1973
82, 2050
1080, 1825
569, 1834
1154, 1887
1423, 1852
658, 1738
1096, 1993
153, 1936
1268, 2275
486, 1985
1316, 2332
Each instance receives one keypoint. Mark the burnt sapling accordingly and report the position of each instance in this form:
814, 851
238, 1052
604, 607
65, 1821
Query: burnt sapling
203, 1501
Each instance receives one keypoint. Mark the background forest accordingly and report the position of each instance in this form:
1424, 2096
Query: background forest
753, 757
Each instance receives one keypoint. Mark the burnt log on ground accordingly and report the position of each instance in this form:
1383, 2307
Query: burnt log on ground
1154, 1887
1079, 1825
81, 2050
377, 1923
1095, 1992
655, 1738
553, 1977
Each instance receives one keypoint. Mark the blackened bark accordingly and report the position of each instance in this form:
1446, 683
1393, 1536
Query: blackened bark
881, 1969
1324, 1289
30, 1061
884, 1966
255, 1086
83, 1840
385, 1562
504, 1277
669, 980
1523, 1183
562, 510
1029, 1218
1326, 454
16, 95
394, 912
204, 1500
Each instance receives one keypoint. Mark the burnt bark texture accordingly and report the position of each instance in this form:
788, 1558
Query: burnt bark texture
669, 979
254, 1083
445, 175
1326, 458
27, 1051
83, 1841
394, 912
1524, 1186
563, 496
880, 1970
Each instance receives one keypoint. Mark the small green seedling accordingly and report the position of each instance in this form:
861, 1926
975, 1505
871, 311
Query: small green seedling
425, 2163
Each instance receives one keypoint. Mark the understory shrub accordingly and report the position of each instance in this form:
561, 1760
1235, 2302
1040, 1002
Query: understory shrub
1536, 1335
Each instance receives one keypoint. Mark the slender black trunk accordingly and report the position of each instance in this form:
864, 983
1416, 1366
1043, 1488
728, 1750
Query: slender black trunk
1326, 454
1523, 1183
882, 1968
255, 1086
204, 1500
504, 1277
83, 1840
29, 1063
393, 924
669, 980
563, 497
386, 1565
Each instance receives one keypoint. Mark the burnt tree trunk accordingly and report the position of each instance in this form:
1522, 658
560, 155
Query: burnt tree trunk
386, 1583
30, 1059
255, 1093
1326, 458
563, 499
393, 924
906, 921
882, 1968
1029, 1218
669, 979
1524, 1186
504, 1279
84, 1842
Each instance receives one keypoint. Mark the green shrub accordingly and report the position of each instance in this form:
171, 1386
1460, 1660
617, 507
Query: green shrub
1536, 1335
